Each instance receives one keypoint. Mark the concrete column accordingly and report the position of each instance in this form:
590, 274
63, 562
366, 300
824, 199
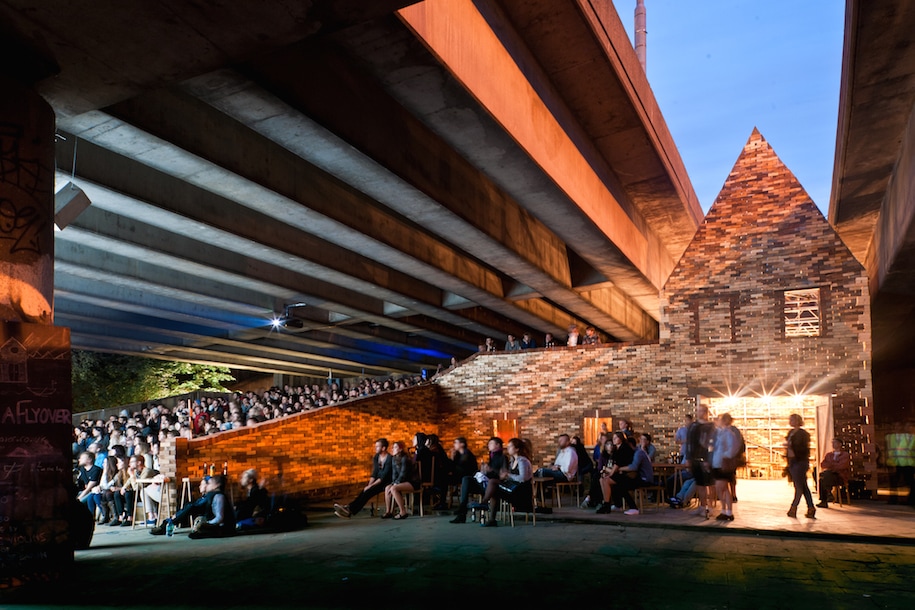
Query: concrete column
26, 205
38, 524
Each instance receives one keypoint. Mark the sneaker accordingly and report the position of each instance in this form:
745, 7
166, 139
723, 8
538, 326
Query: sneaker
631, 511
198, 522
603, 509
126, 523
158, 530
150, 522
115, 523
586, 503
342, 511
822, 505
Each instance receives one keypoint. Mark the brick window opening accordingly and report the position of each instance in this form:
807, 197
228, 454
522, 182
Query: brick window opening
505, 429
591, 429
802, 313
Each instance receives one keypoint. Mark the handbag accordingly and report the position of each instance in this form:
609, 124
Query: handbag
509, 485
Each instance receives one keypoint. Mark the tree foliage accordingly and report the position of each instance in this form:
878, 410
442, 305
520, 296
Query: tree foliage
108, 380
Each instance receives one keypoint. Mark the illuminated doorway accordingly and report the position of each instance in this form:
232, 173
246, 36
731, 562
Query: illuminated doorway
763, 422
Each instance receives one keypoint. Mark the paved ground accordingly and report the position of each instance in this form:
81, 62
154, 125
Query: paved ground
664, 559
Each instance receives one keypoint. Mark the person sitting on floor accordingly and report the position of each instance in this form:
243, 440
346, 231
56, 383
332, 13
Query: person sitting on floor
382, 472
835, 470
185, 515
252, 512
219, 519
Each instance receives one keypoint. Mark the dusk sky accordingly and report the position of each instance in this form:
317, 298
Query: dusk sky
720, 67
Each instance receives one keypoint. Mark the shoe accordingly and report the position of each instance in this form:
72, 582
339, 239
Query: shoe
721, 517
198, 523
701, 512
342, 511
792, 512
401, 516
811, 513
631, 511
460, 519
114, 523
604, 509
195, 535
387, 515
730, 517
159, 530
490, 523
822, 505
150, 522
734, 499
126, 523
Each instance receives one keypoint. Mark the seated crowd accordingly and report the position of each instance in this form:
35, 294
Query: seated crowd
193, 418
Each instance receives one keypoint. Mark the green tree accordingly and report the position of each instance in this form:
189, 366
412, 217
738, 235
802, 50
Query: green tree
108, 380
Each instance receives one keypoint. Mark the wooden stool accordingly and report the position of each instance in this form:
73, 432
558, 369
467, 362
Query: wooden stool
837, 494
574, 488
641, 496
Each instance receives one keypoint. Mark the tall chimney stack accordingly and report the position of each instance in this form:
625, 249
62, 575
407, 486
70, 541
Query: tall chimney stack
640, 34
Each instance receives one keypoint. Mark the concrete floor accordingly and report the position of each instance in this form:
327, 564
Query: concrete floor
858, 556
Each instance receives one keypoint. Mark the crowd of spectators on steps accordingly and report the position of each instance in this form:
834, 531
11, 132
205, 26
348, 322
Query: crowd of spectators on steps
193, 418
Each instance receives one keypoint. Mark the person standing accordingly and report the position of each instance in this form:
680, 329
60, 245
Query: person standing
798, 454
834, 470
382, 472
700, 438
900, 454
512, 344
724, 464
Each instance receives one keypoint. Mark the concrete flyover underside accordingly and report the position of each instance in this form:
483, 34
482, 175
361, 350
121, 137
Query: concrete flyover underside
873, 197
421, 175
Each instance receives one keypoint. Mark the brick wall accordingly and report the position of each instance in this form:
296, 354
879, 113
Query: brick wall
318, 453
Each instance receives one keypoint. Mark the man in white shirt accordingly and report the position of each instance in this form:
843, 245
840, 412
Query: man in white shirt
565, 466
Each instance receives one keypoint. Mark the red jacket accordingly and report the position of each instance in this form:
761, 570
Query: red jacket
839, 462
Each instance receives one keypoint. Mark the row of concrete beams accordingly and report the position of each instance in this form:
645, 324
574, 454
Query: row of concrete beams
219, 207
413, 171
125, 231
155, 275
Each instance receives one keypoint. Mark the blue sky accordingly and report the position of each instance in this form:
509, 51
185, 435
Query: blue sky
720, 67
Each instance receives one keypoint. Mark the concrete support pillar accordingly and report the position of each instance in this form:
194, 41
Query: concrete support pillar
26, 204
39, 524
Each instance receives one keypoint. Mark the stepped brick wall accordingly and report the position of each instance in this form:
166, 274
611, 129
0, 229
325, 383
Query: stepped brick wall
318, 453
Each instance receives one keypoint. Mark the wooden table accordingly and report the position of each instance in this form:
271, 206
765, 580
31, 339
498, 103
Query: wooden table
666, 469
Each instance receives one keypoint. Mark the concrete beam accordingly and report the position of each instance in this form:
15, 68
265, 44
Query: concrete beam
459, 203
